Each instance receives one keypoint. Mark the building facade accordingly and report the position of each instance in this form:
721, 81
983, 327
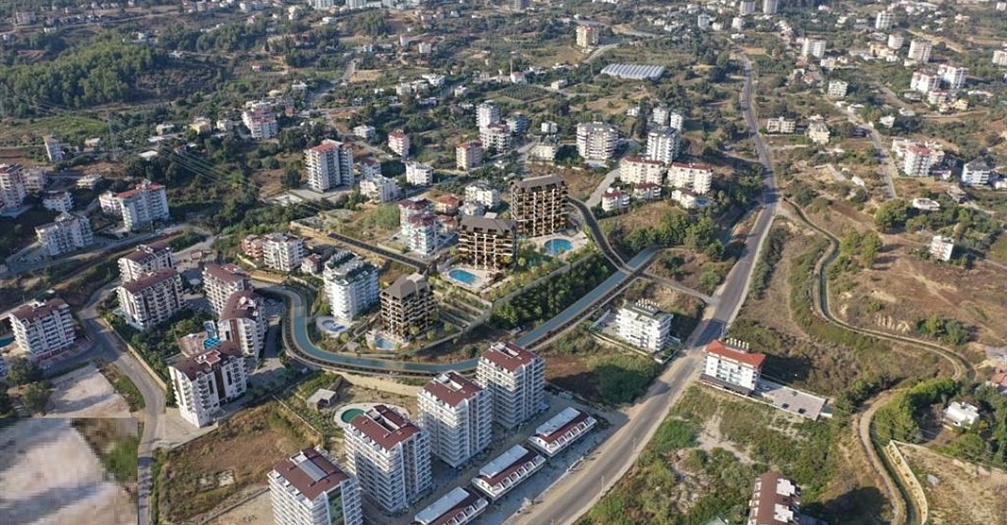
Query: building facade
489, 244
941, 248
43, 328
143, 205
243, 322
976, 173
310, 488
67, 233
329, 165
208, 380
515, 378
663, 144
561, 431
419, 174
282, 251
587, 35
398, 142
458, 415
487, 113
597, 140
221, 281
407, 307
469, 155
919, 50
152, 298
538, 205
260, 120
378, 188
482, 193
637, 170
351, 285
645, 326
12, 185
730, 365
144, 259
698, 177
461, 505
506, 471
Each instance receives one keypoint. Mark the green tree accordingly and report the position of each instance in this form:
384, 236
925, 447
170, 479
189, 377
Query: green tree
892, 215
36, 396
23, 371
870, 245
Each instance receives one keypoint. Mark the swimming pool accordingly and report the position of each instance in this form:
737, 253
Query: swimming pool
463, 276
555, 247
6, 341
349, 414
381, 343
331, 326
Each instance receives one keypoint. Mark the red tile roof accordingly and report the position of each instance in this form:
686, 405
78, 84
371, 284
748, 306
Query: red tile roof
150, 279
509, 356
229, 273
493, 481
558, 433
749, 358
452, 388
385, 426
35, 311
303, 480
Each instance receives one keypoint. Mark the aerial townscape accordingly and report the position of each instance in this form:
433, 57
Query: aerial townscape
526, 262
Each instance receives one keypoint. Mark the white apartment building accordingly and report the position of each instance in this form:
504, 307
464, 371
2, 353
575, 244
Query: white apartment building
365, 132
895, 41
659, 115
770, 7
310, 488
838, 88
243, 322
260, 120
638, 170
398, 142
420, 233
515, 378
976, 173
781, 125
419, 174
36, 179
144, 259
919, 50
746, 7
378, 188
143, 205
43, 328
561, 431
692, 175
482, 193
663, 144
646, 191
1000, 57
68, 232
597, 140
458, 507
487, 113
221, 281
587, 35
12, 185
496, 137
953, 77
614, 200
941, 248
458, 415
369, 168
53, 148
58, 201
469, 155
151, 299
884, 20
813, 47
645, 326
351, 285
208, 380
730, 365
282, 251
328, 165
507, 471
918, 160
390, 456
924, 82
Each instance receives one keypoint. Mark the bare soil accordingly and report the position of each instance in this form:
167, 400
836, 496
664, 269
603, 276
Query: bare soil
965, 493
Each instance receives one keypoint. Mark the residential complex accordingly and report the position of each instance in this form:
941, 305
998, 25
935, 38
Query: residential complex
538, 205
469, 155
587, 35
390, 456
663, 144
329, 165
515, 378
407, 307
638, 170
941, 248
398, 142
143, 205
43, 328
58, 201
419, 174
695, 176
152, 298
207, 380
775, 501
282, 251
378, 188
487, 113
144, 259
458, 415
484, 243
507, 471
243, 322
53, 148
729, 364
919, 50
496, 136
458, 507
12, 185
260, 120
221, 281
884, 20
597, 140
644, 325
420, 231
351, 285
781, 125
918, 160
614, 200
310, 488
813, 47
482, 193
561, 431
68, 232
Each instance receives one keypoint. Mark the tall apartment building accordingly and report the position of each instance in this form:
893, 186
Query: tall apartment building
487, 113
282, 251
489, 244
645, 326
729, 364
884, 20
328, 165
469, 155
919, 50
142, 205
918, 160
597, 140
895, 41
351, 285
837, 88
813, 47
207, 380
43, 328
775, 501
941, 248
221, 281
144, 259
407, 307
379, 188
36, 179
482, 193
390, 456
697, 176
515, 378
746, 7
663, 144
68, 232
496, 136
420, 232
53, 148
924, 81
369, 167
538, 205
57, 201
587, 35
976, 173
770, 7
398, 142
152, 298
310, 488
953, 77
419, 174
458, 415
12, 185
243, 322
260, 120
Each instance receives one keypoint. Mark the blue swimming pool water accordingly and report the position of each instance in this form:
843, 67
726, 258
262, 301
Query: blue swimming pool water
333, 327
463, 276
557, 246
6, 341
383, 344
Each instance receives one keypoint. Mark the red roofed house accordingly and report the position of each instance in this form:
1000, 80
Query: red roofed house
458, 415
729, 364
309, 488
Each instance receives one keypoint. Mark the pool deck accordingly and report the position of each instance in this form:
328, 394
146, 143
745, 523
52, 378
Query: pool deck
482, 279
363, 407
577, 242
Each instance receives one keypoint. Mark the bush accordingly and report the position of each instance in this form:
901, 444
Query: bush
621, 378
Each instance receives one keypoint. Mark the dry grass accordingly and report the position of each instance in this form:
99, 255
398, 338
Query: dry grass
965, 494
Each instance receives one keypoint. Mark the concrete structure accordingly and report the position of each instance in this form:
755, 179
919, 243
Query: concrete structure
482, 193
1000, 57
407, 307
561, 431
68, 232
775, 501
587, 35
312, 264
686, 198
469, 155
36, 179
638, 170
143, 205
696, 176
919, 50
328, 165
663, 144
962, 415
260, 120
838, 88
818, 132
208, 380
420, 232
310, 488
365, 132
489, 244
243, 322
941, 248
12, 185
924, 81
419, 174
614, 200
390, 456
884, 20
770, 7
644, 325
151, 299
58, 201
496, 136
918, 160
379, 188
398, 142
487, 113
976, 173
729, 364
221, 281
282, 251
43, 328
507, 471
538, 205
781, 125
369, 167
952, 77
53, 149
461, 505
597, 140
144, 259
895, 41
516, 379
351, 285
813, 47
746, 7
646, 191
458, 415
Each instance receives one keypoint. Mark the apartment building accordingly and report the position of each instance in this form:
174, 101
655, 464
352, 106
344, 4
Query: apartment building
36, 179
614, 200
487, 113
919, 50
398, 142
538, 205
746, 7
663, 144
282, 251
696, 176
597, 140
729, 364
58, 201
260, 120
407, 307
310, 488
644, 325
458, 415
420, 232
770, 7
351, 285
895, 41
369, 167
587, 35
390, 456
329, 165
646, 191
506, 471
496, 137
941, 248
918, 160
813, 47
515, 378
378, 188
419, 174
144, 259
518, 123
976, 173
53, 149
561, 431
637, 170
12, 185
781, 125
999, 57
151, 299
775, 501
68, 232
221, 281
43, 328
469, 155
482, 193
206, 381
461, 505
243, 321
884, 20
143, 205
484, 243
924, 82
838, 88
952, 77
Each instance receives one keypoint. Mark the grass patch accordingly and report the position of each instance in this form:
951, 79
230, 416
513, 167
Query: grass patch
124, 386
116, 443
621, 378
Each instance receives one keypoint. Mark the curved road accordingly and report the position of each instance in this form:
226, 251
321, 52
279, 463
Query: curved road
599, 236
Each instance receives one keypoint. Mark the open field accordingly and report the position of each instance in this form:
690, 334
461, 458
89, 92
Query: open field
85, 392
963, 493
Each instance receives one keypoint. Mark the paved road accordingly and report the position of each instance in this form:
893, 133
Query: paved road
888, 169
595, 198
387, 254
599, 236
